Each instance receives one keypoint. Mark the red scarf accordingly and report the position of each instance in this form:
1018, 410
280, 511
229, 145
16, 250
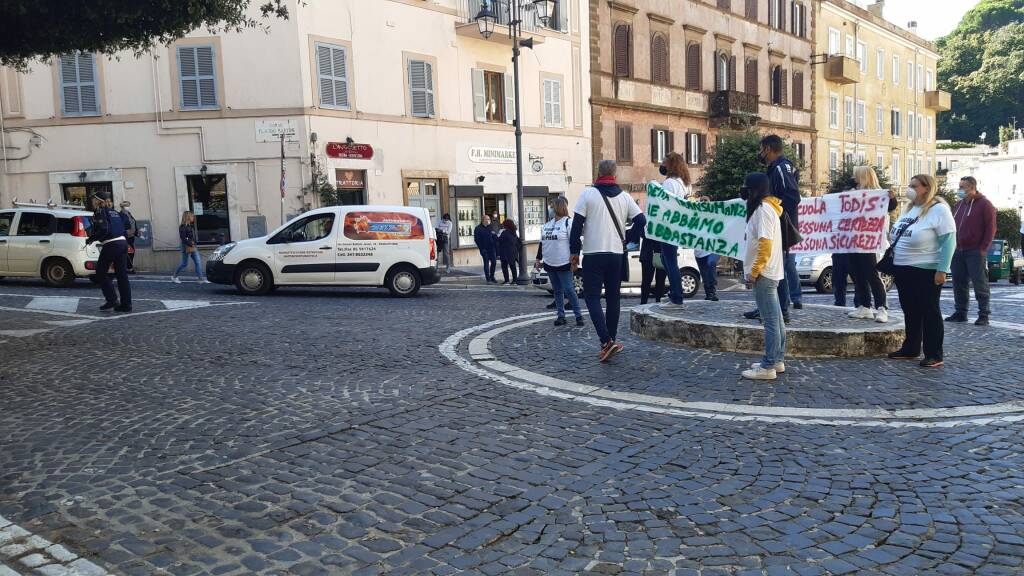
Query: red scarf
605, 180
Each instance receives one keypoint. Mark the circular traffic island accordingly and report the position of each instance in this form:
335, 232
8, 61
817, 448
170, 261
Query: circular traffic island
816, 330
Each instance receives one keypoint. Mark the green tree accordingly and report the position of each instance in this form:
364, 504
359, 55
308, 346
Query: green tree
982, 65
735, 156
324, 190
1008, 226
31, 29
841, 179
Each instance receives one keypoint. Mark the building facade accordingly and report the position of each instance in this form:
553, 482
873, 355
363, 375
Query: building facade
670, 75
393, 101
1001, 176
875, 93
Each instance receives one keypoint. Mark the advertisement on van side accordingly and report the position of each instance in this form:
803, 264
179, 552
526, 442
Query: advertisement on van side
383, 226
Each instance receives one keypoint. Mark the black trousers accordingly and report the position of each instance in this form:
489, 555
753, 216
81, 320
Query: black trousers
649, 273
115, 253
867, 284
131, 254
919, 297
507, 263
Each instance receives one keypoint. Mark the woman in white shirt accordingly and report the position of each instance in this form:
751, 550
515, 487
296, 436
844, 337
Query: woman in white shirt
677, 182
868, 285
924, 240
763, 267
553, 255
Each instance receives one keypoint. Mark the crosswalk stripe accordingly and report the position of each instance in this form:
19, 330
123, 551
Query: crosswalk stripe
54, 303
23, 333
184, 304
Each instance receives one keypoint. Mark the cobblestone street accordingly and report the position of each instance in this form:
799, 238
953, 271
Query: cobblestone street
331, 431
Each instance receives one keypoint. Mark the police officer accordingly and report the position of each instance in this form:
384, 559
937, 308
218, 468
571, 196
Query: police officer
109, 231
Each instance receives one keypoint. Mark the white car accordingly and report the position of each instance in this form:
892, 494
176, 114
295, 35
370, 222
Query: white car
687, 269
48, 242
389, 246
816, 270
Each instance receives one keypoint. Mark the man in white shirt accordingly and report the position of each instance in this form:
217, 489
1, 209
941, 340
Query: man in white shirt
444, 234
602, 214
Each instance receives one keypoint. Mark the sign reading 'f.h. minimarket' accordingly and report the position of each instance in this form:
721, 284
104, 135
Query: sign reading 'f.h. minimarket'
492, 155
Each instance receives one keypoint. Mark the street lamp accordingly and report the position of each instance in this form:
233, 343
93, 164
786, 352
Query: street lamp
486, 19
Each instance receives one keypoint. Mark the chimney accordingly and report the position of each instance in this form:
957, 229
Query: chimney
877, 8
912, 27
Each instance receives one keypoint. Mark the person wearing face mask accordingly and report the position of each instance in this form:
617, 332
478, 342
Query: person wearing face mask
924, 239
868, 285
975, 220
677, 182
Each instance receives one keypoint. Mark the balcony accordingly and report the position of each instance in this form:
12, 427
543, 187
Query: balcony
733, 109
938, 100
466, 24
842, 70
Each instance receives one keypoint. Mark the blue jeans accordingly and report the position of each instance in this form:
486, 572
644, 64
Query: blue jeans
490, 263
670, 259
603, 271
561, 281
766, 296
185, 257
789, 288
709, 274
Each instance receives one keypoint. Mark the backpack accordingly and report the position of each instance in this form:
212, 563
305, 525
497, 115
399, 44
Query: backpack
130, 227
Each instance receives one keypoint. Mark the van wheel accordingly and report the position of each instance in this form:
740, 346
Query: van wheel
403, 281
253, 279
58, 273
691, 283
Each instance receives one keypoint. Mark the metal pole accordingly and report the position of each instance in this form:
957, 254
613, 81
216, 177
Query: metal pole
514, 24
282, 179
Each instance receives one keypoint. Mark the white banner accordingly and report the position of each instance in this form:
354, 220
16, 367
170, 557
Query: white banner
848, 222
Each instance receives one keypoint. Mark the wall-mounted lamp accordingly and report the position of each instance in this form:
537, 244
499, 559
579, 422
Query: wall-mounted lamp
349, 140
204, 170
82, 176
480, 179
312, 137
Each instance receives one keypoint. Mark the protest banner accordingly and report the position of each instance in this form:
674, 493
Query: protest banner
848, 222
715, 227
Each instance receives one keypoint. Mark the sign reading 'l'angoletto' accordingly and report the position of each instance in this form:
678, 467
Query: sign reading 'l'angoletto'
492, 155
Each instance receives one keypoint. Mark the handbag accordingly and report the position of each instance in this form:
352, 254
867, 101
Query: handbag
659, 264
790, 233
887, 265
622, 237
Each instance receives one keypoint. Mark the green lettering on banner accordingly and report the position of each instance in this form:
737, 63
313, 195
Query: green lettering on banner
715, 227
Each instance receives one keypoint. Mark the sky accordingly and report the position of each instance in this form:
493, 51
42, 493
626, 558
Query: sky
935, 18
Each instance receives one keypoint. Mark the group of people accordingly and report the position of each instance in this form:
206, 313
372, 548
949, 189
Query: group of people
498, 240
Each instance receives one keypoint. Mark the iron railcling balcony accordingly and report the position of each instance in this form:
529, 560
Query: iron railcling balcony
736, 109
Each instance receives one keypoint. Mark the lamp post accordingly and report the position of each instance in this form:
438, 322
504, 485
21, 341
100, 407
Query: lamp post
486, 19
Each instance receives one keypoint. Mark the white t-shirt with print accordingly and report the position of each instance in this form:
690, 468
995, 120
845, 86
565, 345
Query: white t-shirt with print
919, 245
764, 223
554, 237
599, 234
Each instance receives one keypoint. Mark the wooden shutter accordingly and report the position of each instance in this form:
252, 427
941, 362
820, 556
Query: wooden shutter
750, 77
332, 68
781, 10
11, 95
670, 144
654, 146
751, 9
725, 4
510, 99
79, 95
717, 71
622, 51
732, 73
421, 89
798, 90
693, 72
703, 147
784, 92
623, 143
659, 59
479, 96
556, 101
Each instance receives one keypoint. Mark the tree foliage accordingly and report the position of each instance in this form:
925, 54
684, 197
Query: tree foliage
32, 29
735, 156
954, 145
841, 179
982, 65
1008, 226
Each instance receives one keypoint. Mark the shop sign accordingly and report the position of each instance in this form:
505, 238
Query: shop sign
491, 155
348, 151
350, 179
271, 130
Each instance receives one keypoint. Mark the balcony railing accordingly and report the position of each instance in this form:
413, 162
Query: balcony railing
468, 10
734, 108
938, 100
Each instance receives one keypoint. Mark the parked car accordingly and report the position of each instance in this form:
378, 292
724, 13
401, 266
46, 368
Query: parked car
1004, 262
687, 269
383, 246
46, 241
816, 270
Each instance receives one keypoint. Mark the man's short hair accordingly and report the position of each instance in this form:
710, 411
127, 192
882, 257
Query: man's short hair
772, 142
606, 168
970, 180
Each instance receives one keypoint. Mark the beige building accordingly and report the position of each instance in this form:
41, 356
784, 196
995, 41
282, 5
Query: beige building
875, 93
408, 103
669, 75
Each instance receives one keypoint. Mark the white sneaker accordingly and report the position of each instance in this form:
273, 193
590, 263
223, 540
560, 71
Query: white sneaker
881, 315
862, 313
175, 280
760, 373
204, 281
780, 367
671, 306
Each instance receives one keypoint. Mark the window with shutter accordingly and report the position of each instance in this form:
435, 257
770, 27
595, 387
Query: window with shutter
624, 143
693, 73
552, 103
725, 4
702, 146
784, 77
198, 77
798, 90
750, 78
721, 71
732, 73
10, 91
692, 148
509, 92
79, 92
622, 50
659, 59
750, 10
780, 10
332, 72
776, 79
479, 96
421, 89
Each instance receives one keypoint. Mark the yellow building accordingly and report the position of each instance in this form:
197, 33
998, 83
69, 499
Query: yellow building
875, 93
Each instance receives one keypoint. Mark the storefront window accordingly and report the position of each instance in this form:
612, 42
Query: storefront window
467, 217
536, 214
351, 186
208, 200
425, 194
81, 194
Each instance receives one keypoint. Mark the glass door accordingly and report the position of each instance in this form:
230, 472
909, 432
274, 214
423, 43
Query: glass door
425, 194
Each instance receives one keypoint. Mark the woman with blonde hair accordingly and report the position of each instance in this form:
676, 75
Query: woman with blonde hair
189, 249
867, 284
924, 240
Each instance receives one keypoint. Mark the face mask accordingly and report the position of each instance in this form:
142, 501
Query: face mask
911, 194
662, 170
551, 213
744, 193
961, 194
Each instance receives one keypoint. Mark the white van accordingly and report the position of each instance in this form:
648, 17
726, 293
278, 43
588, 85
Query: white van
389, 246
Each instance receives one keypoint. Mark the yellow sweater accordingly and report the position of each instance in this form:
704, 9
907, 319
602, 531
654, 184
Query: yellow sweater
764, 245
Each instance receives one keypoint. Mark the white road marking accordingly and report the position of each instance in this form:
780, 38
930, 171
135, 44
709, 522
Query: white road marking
184, 304
483, 363
55, 303
35, 552
23, 333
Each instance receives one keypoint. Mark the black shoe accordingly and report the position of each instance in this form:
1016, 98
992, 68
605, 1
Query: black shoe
560, 321
798, 305
901, 355
712, 298
109, 306
550, 306
785, 318
132, 271
957, 317
579, 320
981, 321
752, 315
931, 363
123, 309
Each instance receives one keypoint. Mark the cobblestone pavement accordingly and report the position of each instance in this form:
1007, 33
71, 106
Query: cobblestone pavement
322, 432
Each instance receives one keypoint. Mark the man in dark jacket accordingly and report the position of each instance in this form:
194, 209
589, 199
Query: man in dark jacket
975, 220
131, 229
484, 239
109, 231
